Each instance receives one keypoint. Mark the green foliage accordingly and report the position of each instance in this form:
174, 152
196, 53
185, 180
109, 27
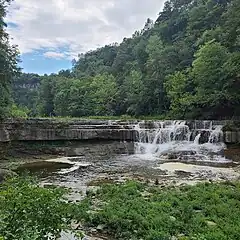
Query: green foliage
154, 94
185, 65
46, 96
133, 87
103, 94
179, 90
94, 96
208, 72
132, 210
209, 86
25, 88
28, 211
8, 62
136, 211
19, 112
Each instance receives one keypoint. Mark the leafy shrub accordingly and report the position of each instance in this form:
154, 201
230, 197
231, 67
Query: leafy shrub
19, 112
28, 211
136, 211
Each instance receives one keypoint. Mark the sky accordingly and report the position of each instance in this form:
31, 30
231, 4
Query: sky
51, 33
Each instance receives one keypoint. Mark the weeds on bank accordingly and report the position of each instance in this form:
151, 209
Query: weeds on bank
121, 118
130, 211
135, 211
31, 212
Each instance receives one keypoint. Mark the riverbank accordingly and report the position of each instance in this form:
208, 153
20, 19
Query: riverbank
137, 211
84, 168
164, 158
123, 211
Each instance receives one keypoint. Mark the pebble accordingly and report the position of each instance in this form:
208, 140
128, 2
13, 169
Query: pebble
211, 223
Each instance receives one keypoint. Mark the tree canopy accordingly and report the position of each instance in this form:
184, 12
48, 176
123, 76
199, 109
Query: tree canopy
186, 64
8, 63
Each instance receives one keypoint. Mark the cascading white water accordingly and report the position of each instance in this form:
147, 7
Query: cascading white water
175, 140
197, 139
216, 134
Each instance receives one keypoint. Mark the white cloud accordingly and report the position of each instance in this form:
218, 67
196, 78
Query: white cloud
56, 55
65, 28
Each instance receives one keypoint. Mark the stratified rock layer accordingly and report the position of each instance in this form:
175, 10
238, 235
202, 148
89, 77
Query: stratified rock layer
52, 129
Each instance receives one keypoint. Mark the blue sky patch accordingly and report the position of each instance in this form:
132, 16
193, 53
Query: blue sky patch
33, 63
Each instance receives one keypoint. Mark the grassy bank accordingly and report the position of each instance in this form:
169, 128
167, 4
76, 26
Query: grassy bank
129, 211
136, 211
122, 118
30, 212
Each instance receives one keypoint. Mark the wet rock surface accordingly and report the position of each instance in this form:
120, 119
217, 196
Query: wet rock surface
94, 167
5, 174
233, 152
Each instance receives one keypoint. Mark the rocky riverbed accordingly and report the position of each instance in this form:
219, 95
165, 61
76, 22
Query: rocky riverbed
85, 167
89, 165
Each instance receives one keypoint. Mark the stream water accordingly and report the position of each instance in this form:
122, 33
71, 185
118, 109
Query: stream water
170, 152
175, 140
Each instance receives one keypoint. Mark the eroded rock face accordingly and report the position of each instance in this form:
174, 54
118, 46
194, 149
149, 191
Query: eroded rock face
52, 129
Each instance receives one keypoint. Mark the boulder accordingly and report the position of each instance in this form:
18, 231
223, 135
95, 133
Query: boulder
4, 174
180, 155
204, 136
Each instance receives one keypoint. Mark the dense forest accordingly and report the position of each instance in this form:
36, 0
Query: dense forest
186, 64
9, 57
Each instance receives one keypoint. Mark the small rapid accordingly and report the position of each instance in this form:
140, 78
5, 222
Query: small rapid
176, 140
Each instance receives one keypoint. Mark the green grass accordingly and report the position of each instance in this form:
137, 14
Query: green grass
130, 211
122, 118
30, 212
136, 211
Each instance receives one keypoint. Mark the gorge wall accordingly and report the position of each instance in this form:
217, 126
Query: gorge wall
53, 129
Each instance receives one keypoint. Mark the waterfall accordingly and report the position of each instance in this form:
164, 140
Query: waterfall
197, 138
178, 140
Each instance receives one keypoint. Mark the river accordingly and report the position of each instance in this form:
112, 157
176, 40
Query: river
168, 154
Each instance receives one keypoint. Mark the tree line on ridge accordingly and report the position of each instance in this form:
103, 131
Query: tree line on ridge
186, 64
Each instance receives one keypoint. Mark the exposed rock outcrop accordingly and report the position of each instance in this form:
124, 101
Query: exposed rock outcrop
52, 129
